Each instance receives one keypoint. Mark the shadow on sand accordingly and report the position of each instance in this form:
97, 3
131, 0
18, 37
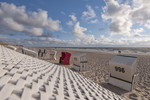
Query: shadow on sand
112, 88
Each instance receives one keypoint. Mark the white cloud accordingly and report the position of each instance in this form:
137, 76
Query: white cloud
124, 16
137, 32
147, 24
107, 40
72, 21
79, 32
53, 25
87, 41
89, 14
136, 41
11, 24
16, 18
50, 41
119, 15
141, 12
35, 31
73, 17
126, 41
94, 21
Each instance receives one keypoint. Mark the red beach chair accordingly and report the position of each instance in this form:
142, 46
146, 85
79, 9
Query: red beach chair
65, 58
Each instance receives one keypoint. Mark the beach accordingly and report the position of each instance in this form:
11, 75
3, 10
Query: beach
98, 71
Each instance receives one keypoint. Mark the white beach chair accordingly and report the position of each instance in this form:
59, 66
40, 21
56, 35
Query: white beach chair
29, 52
80, 62
123, 72
53, 55
11, 47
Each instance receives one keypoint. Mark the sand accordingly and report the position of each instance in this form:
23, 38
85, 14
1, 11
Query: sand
99, 72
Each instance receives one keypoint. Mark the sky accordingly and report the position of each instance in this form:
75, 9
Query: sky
75, 23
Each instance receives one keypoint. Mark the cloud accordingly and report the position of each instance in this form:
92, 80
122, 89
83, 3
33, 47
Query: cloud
79, 32
35, 31
119, 15
73, 17
141, 13
72, 21
94, 21
16, 18
137, 32
87, 41
11, 24
89, 14
123, 16
136, 41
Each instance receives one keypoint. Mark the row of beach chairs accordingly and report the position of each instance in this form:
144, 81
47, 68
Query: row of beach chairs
122, 68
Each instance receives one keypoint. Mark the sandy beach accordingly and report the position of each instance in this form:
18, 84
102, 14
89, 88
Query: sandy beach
106, 42
98, 65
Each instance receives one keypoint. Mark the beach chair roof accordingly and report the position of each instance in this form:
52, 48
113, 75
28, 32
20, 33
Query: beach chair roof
80, 54
52, 52
29, 50
126, 60
13, 47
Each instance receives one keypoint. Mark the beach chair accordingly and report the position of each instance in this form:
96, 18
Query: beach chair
29, 52
65, 58
11, 47
123, 72
62, 57
42, 53
53, 55
80, 62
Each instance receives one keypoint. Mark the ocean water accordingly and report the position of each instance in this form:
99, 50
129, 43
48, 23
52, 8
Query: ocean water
139, 51
124, 50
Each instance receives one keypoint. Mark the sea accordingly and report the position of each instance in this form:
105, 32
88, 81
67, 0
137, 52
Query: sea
122, 50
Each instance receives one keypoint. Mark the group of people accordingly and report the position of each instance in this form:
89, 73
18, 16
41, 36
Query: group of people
41, 53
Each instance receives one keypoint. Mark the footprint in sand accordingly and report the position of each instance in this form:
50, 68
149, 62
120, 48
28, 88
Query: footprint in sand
133, 96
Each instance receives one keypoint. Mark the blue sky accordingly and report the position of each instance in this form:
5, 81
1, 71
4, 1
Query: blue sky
75, 22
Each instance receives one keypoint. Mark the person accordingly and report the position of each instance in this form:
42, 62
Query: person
22, 51
44, 51
119, 52
39, 52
